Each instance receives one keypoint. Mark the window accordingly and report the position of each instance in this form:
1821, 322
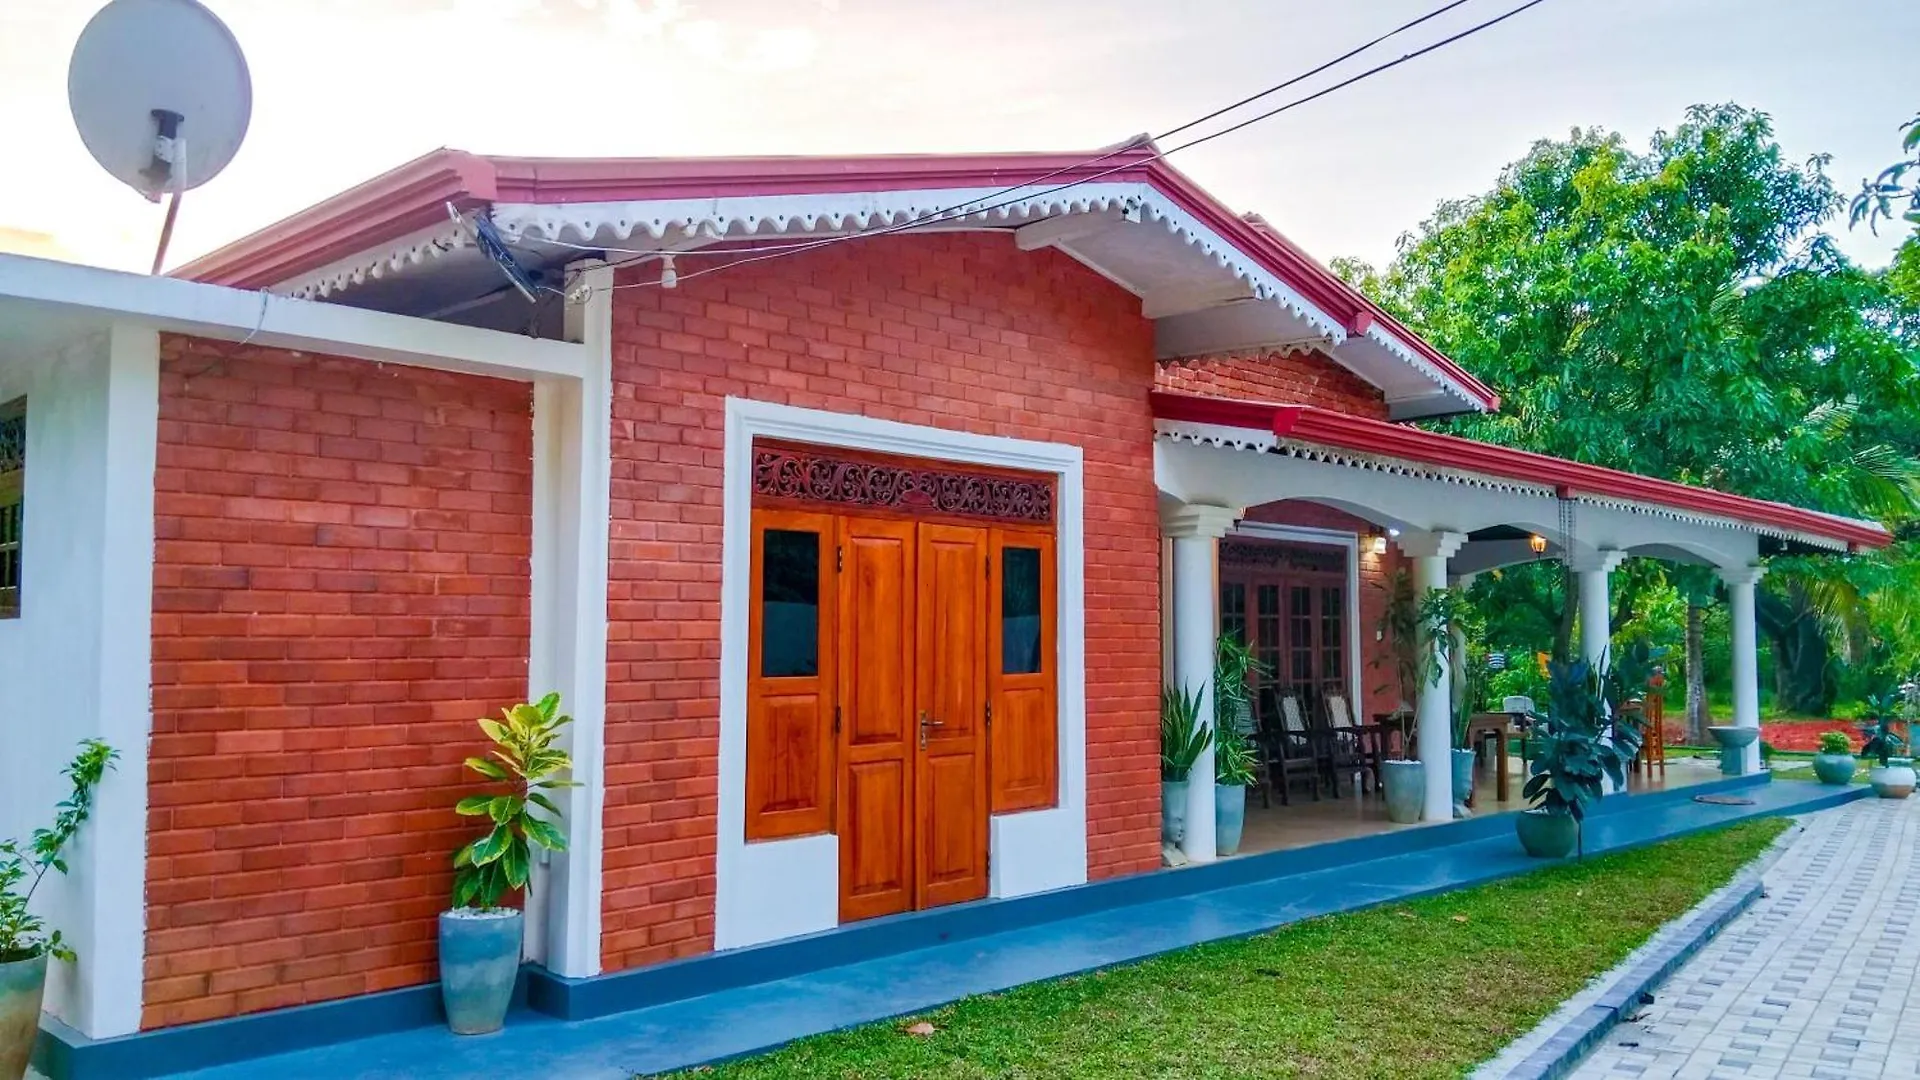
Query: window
1233, 610
1332, 609
1020, 611
13, 488
790, 620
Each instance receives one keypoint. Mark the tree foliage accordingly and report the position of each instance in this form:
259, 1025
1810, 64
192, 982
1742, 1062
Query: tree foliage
1676, 311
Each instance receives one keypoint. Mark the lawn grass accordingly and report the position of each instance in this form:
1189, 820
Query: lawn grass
1422, 989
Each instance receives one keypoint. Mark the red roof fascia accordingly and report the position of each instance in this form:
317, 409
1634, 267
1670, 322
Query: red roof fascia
1326, 428
414, 195
384, 208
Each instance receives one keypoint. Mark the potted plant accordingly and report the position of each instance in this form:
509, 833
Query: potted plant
1572, 761
1893, 778
480, 936
1234, 762
1419, 635
1183, 738
1835, 764
25, 941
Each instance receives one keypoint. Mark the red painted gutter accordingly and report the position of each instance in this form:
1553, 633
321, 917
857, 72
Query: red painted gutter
414, 196
1324, 428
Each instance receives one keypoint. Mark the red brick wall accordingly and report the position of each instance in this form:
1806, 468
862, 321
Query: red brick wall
1378, 685
1308, 378
956, 331
340, 588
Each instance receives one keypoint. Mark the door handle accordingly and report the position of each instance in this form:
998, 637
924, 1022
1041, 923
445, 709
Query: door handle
925, 723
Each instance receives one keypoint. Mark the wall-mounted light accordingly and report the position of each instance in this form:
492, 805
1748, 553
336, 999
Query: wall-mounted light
1538, 543
1379, 543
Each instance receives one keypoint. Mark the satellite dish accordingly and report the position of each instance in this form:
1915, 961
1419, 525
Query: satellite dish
161, 95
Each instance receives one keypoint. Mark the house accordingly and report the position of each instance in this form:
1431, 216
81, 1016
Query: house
859, 509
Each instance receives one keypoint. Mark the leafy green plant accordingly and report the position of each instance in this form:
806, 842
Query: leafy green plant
1574, 761
1418, 631
1835, 742
24, 935
1183, 735
525, 758
1883, 739
1234, 662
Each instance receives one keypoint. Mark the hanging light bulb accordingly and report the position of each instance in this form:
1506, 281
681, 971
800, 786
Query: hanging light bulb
1538, 543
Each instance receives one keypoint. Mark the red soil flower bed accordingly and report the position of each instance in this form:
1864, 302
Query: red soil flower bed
1800, 735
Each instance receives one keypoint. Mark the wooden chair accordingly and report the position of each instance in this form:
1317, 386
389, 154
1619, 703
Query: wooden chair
1347, 749
1653, 735
1293, 748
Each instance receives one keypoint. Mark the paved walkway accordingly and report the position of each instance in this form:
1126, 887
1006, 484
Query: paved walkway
1815, 981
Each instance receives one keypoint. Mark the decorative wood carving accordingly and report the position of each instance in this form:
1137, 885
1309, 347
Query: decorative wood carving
808, 476
1273, 555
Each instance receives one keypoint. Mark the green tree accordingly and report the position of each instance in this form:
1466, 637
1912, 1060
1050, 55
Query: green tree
1676, 312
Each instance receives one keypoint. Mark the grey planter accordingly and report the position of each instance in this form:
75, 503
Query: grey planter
479, 962
22, 982
1406, 785
1173, 810
1894, 780
1229, 817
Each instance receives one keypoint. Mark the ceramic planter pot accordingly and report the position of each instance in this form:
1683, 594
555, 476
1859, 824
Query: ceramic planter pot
1834, 768
1173, 811
1229, 817
479, 963
1406, 785
1545, 835
1463, 762
1733, 742
22, 982
1894, 780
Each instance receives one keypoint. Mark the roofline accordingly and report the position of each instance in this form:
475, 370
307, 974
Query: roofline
1567, 478
414, 195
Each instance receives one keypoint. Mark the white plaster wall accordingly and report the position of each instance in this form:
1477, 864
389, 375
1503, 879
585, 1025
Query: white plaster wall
76, 664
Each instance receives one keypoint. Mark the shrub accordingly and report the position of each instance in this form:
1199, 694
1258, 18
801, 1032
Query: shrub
524, 756
24, 935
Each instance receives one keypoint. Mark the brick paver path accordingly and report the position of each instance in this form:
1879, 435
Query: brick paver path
1815, 981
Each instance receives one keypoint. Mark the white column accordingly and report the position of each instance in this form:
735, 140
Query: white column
1746, 654
1195, 530
1433, 713
1595, 570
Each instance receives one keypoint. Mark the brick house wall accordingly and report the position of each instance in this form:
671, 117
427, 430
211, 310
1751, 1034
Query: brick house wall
1300, 377
341, 585
959, 331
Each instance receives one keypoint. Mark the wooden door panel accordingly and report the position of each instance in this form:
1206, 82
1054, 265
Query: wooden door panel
877, 748
950, 678
1022, 659
790, 678
876, 863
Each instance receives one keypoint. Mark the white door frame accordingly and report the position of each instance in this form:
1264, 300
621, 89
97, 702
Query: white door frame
1302, 534
775, 889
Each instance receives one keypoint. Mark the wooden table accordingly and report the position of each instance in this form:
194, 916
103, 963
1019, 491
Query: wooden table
1482, 726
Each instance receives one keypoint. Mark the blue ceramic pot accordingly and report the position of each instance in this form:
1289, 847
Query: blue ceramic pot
1229, 817
1546, 836
1463, 761
1835, 768
21, 984
479, 962
1173, 811
1406, 784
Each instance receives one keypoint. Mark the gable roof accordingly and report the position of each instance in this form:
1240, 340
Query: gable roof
1211, 280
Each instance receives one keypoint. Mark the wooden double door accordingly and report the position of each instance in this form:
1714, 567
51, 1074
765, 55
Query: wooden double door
917, 645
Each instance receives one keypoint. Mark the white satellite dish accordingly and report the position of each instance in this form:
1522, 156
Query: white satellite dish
160, 92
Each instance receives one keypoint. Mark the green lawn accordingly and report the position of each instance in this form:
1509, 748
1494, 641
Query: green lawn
1424, 989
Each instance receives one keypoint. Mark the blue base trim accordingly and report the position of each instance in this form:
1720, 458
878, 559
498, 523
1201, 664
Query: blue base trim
550, 1001
65, 1054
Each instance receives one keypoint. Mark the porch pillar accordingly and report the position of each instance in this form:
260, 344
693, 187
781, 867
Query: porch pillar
1433, 712
1746, 660
1195, 529
1595, 570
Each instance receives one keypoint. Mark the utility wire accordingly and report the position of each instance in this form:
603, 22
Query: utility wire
970, 209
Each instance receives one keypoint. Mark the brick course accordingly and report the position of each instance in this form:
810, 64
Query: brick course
1301, 377
960, 331
341, 586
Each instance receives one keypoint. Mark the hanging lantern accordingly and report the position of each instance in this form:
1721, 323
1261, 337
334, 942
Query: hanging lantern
1538, 543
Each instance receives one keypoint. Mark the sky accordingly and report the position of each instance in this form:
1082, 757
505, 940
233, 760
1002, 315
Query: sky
345, 89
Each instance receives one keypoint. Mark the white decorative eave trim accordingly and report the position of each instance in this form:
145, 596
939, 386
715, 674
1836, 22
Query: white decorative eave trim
741, 217
1236, 438
1405, 353
412, 249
